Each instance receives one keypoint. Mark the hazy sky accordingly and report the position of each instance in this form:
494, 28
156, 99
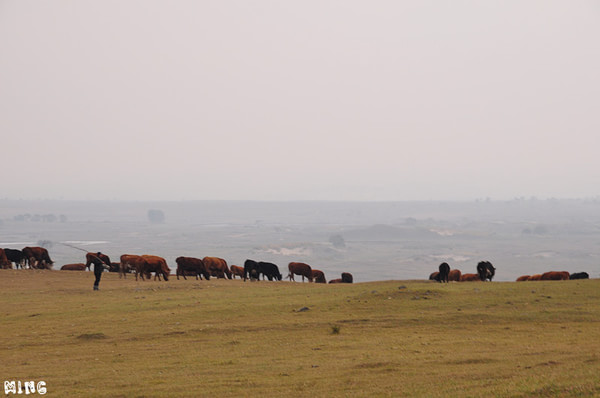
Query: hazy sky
311, 99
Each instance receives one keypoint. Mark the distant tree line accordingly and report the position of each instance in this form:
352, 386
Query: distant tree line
40, 218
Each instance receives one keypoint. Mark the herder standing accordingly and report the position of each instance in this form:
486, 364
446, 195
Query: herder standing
99, 267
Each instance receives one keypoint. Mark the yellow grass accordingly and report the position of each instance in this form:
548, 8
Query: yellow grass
222, 338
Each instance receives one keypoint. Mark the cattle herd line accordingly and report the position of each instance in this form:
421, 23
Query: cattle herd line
486, 271
207, 267
144, 265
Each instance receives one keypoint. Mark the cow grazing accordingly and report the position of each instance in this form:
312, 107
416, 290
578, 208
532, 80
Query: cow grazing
73, 267
131, 263
523, 278
300, 269
555, 276
579, 275
318, 276
454, 275
251, 270
444, 270
435, 276
536, 277
470, 278
237, 271
191, 266
217, 267
15, 256
486, 270
91, 258
37, 257
155, 264
270, 270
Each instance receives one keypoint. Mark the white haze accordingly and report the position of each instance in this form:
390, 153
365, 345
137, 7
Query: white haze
282, 100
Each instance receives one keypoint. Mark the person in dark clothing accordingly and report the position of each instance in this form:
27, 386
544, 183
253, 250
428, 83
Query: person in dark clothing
99, 267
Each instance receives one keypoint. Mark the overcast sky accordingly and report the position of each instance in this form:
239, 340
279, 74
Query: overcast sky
311, 99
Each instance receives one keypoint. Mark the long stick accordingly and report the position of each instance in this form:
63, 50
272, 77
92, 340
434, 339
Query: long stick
79, 248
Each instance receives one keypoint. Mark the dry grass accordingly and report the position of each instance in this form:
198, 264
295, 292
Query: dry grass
229, 338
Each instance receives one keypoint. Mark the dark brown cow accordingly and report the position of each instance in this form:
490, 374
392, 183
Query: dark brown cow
37, 257
191, 265
155, 264
454, 275
318, 276
90, 257
300, 269
555, 276
114, 267
4, 261
536, 277
235, 270
73, 267
339, 280
347, 277
523, 278
470, 278
217, 267
434, 276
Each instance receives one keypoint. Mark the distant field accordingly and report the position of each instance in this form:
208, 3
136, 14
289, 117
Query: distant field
223, 338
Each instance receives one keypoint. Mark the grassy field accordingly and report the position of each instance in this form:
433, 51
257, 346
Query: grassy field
223, 338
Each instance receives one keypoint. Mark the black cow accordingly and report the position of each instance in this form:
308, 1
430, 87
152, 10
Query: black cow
444, 271
485, 270
15, 256
269, 270
347, 277
576, 275
251, 270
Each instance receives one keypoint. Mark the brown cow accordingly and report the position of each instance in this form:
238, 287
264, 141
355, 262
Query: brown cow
90, 257
191, 266
339, 280
300, 269
37, 257
131, 263
555, 276
73, 267
434, 276
155, 264
217, 267
523, 278
4, 261
454, 275
318, 276
235, 270
536, 277
470, 278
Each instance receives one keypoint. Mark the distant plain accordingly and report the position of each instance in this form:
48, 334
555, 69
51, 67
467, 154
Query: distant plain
380, 240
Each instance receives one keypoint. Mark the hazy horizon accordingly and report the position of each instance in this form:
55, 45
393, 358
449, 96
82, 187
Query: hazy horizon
284, 101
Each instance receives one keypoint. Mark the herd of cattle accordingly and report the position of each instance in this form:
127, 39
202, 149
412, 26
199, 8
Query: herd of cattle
144, 265
486, 271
